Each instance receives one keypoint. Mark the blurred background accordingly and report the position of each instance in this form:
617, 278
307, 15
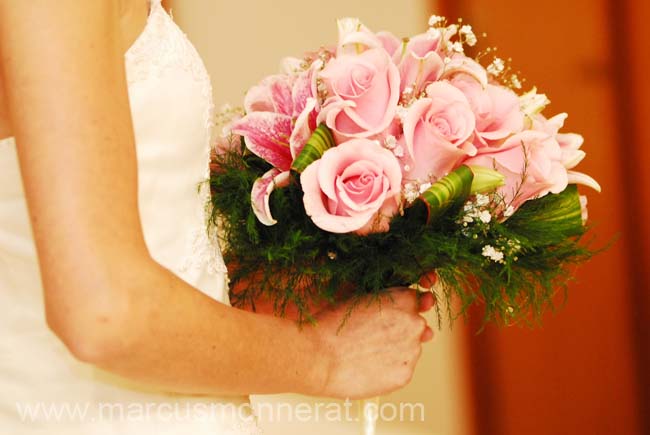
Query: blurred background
586, 370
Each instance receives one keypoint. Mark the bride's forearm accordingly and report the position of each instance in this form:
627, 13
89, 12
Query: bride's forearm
104, 296
175, 338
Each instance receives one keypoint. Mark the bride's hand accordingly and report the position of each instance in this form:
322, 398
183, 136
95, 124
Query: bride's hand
376, 350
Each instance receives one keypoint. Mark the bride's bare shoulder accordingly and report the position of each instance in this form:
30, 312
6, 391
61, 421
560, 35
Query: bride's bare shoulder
130, 14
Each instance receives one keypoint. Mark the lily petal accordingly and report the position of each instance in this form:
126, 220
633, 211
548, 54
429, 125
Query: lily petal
354, 37
392, 44
304, 128
418, 72
584, 179
261, 193
267, 136
273, 94
304, 88
468, 66
571, 158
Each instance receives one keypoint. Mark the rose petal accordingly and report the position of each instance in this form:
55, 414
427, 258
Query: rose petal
328, 202
436, 132
364, 92
504, 117
380, 222
361, 199
315, 208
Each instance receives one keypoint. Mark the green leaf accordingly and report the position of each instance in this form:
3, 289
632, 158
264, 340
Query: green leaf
447, 192
552, 218
318, 143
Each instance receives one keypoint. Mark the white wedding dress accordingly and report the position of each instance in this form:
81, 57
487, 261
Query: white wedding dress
43, 389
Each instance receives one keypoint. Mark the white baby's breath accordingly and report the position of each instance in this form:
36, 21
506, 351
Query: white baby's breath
402, 113
436, 20
485, 217
433, 34
411, 192
482, 200
457, 47
496, 67
492, 253
468, 34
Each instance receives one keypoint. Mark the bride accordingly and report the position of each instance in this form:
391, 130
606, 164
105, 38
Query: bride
110, 296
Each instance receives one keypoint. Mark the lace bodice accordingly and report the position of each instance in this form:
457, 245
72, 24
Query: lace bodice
172, 110
162, 50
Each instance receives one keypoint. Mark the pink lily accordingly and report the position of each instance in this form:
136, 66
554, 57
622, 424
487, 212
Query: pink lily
280, 117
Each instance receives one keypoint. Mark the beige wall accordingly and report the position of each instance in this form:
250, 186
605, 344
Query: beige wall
241, 42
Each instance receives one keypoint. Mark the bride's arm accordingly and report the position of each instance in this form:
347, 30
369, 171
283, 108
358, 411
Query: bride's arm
105, 297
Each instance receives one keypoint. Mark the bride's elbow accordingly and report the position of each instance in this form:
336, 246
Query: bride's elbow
98, 329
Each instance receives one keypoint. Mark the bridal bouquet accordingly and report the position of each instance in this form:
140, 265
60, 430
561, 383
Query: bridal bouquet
371, 163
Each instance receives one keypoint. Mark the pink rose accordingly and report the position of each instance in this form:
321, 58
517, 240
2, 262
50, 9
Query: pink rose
437, 130
363, 92
353, 187
532, 164
497, 110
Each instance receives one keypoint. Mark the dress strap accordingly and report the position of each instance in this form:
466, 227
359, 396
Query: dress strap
154, 3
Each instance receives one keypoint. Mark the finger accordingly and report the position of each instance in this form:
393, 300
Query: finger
404, 298
427, 335
429, 279
426, 301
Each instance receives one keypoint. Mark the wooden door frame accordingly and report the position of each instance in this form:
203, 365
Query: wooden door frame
628, 25
631, 44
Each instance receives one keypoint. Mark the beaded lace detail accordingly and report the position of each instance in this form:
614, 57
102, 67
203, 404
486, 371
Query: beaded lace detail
163, 45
